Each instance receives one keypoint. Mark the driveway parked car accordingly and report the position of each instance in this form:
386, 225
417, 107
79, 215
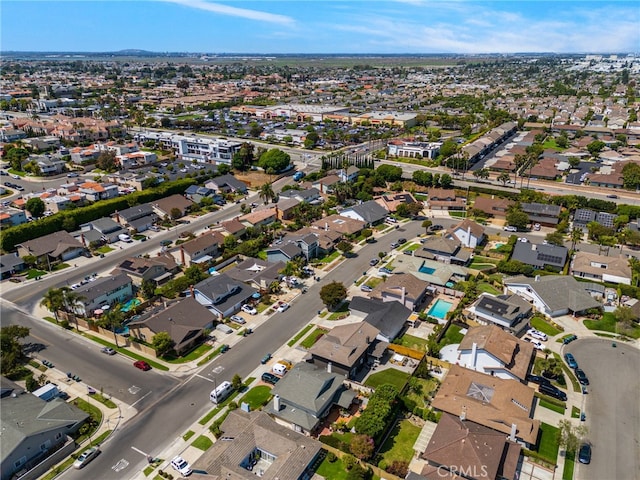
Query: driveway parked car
532, 332
249, 309
142, 365
270, 378
385, 271
584, 455
224, 347
366, 288
536, 343
539, 379
108, 351
238, 319
181, 466
395, 245
569, 339
86, 457
571, 361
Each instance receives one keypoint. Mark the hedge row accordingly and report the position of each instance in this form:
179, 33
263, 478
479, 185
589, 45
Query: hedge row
70, 220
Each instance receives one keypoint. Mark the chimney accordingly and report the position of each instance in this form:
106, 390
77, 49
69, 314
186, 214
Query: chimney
328, 368
463, 413
326, 226
474, 355
84, 242
276, 403
182, 254
117, 216
512, 435
537, 278
404, 293
193, 291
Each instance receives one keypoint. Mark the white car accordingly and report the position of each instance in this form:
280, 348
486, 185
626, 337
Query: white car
537, 334
510, 228
181, 466
249, 309
86, 457
523, 240
536, 343
282, 307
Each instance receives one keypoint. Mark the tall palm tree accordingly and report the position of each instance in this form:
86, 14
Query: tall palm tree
634, 265
266, 193
72, 301
112, 320
53, 301
576, 236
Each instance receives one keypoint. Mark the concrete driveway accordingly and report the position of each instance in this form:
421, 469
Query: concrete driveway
612, 408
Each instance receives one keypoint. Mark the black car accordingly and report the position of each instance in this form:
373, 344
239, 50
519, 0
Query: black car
436, 227
270, 378
402, 241
584, 455
582, 377
552, 391
538, 379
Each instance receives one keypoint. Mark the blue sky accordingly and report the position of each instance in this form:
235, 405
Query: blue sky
335, 26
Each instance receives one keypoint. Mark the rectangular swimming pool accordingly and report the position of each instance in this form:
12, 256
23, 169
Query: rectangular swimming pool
440, 309
427, 270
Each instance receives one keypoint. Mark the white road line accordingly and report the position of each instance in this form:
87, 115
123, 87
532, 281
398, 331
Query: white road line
139, 451
204, 378
139, 400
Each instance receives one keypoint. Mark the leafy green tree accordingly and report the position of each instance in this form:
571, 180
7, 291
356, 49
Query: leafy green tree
362, 446
366, 233
426, 224
389, 173
31, 384
445, 180
517, 218
162, 343
624, 316
574, 162
482, 173
148, 289
333, 294
112, 320
107, 161
35, 207
570, 436
555, 238
631, 175
504, 177
11, 349
236, 382
596, 147
175, 213
194, 274
345, 247
274, 160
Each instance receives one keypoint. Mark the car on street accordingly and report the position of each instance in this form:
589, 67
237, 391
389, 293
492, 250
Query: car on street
373, 262
532, 332
402, 241
395, 245
435, 228
2, 172
142, 365
510, 228
265, 359
582, 377
569, 339
571, 361
612, 196
86, 457
108, 351
224, 347
15, 177
584, 454
282, 307
249, 309
181, 466
270, 378
523, 239
366, 288
238, 319
72, 175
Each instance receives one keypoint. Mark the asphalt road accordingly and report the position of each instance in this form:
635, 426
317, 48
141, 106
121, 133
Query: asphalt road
612, 408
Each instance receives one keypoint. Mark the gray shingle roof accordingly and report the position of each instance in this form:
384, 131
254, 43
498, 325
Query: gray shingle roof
370, 211
541, 209
558, 292
540, 255
388, 317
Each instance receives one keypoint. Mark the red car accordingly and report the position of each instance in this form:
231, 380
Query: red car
142, 365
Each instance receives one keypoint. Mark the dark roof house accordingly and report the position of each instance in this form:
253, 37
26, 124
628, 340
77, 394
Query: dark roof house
540, 256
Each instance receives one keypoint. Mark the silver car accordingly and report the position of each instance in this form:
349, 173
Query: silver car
86, 457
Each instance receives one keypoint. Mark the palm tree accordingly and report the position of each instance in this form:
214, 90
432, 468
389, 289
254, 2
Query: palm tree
576, 236
634, 265
112, 320
53, 301
72, 301
266, 193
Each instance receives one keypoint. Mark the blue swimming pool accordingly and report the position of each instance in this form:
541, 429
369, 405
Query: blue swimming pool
134, 302
427, 270
440, 309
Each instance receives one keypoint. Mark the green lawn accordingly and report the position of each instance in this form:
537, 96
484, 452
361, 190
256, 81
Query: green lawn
552, 406
104, 249
313, 337
488, 288
341, 312
452, 336
203, 443
483, 263
330, 258
299, 335
390, 375
575, 412
188, 435
399, 445
257, 397
458, 214
194, 354
333, 471
608, 324
548, 446
569, 465
416, 343
427, 388
34, 272
373, 282
568, 373
541, 324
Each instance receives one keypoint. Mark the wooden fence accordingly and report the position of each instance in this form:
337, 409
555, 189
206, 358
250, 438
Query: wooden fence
406, 351
376, 470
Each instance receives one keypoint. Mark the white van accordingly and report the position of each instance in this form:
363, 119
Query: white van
279, 369
224, 328
123, 237
221, 392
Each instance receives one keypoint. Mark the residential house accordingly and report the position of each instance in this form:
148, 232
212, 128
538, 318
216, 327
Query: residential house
405, 288
49, 165
443, 249
306, 395
283, 453
510, 312
489, 349
139, 218
350, 174
260, 217
257, 273
545, 214
12, 216
102, 230
583, 217
284, 208
470, 233
33, 430
201, 249
493, 207
340, 224
443, 199
391, 201
460, 445
185, 321
437, 274
141, 269
222, 295
325, 185
112, 290
540, 256
502, 405
10, 264
307, 242
233, 227
197, 194
345, 347
168, 206
370, 212
283, 252
227, 184
55, 247
310, 195
326, 239
553, 295
545, 169
388, 317
94, 191
601, 268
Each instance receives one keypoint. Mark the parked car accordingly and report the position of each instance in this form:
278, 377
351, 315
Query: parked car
270, 378
510, 228
584, 454
539, 379
582, 377
612, 196
569, 339
436, 227
402, 241
14, 176
108, 351
86, 457
265, 359
249, 309
391, 220
532, 332
72, 175
224, 347
536, 343
385, 271
395, 245
238, 319
571, 361
536, 227
282, 307
142, 365
552, 391
366, 288
180, 465
373, 262
523, 239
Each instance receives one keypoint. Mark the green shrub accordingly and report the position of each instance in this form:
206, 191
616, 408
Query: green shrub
349, 461
331, 457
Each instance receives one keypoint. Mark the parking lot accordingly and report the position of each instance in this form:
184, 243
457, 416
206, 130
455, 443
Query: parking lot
611, 406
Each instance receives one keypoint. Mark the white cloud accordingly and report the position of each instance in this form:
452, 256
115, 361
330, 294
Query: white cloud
235, 12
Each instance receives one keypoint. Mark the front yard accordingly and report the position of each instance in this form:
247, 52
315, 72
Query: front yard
608, 324
541, 324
